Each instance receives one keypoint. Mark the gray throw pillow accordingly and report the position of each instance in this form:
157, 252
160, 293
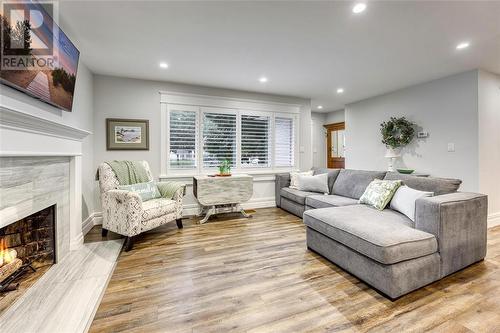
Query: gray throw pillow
317, 183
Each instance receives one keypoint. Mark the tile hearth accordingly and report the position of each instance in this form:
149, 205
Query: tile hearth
70, 290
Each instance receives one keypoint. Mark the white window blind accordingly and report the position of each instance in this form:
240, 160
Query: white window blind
219, 139
255, 141
284, 142
182, 154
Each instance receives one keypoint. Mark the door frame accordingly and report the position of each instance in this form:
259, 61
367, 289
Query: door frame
334, 162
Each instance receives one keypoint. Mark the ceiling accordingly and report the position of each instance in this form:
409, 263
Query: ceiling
305, 48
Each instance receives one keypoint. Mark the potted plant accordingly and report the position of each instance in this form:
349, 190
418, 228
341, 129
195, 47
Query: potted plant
225, 168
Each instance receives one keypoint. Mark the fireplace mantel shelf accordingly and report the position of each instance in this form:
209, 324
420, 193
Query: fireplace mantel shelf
21, 121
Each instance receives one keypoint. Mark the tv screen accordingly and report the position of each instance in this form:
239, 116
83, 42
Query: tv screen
37, 58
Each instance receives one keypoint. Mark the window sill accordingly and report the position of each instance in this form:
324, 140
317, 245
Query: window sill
253, 172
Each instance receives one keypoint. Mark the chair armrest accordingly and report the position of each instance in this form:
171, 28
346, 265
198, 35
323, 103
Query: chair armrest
281, 180
178, 189
459, 222
122, 212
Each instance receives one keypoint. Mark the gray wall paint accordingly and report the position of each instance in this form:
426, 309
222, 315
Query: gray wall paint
446, 108
132, 98
489, 139
335, 117
318, 139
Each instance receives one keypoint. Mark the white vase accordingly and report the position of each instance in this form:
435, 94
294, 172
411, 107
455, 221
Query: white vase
391, 154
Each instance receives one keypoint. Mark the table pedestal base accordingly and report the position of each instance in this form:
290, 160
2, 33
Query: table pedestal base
219, 209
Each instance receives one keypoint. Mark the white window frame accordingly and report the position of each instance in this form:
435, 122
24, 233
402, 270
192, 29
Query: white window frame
213, 104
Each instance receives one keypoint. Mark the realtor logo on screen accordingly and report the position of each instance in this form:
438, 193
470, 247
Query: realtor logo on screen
28, 35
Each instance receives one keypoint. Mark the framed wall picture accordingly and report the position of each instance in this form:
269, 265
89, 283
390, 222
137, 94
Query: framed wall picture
127, 134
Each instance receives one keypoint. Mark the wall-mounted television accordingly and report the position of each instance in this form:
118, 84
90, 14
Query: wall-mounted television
36, 57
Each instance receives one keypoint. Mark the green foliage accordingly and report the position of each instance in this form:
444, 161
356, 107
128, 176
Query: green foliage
225, 167
61, 77
397, 132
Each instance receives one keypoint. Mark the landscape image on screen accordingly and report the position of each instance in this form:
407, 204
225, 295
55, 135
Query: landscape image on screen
37, 58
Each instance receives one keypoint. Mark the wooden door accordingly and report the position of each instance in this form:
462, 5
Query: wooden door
335, 145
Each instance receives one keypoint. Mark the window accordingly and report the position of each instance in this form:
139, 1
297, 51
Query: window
196, 139
219, 139
255, 137
284, 142
182, 153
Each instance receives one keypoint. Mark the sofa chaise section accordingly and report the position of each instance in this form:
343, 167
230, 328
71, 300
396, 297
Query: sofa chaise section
395, 255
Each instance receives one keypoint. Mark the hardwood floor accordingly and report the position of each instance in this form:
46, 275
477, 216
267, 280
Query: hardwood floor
256, 275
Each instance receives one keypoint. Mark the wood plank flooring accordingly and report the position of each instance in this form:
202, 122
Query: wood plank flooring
256, 275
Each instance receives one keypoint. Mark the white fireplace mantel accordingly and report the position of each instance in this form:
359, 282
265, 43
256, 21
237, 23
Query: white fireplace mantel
25, 134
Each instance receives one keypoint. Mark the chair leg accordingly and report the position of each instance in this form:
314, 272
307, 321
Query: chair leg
104, 232
129, 243
179, 223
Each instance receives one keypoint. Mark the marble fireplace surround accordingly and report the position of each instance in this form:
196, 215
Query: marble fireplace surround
48, 154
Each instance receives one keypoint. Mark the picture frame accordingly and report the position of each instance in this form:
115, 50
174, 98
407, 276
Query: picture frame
127, 134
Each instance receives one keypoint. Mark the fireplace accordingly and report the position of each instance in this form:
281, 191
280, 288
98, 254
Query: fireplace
27, 245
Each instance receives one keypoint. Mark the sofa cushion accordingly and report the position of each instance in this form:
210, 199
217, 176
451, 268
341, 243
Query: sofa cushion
428, 184
384, 236
332, 175
295, 195
353, 183
325, 201
157, 207
317, 183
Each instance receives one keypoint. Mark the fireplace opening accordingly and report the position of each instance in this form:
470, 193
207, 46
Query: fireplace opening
27, 249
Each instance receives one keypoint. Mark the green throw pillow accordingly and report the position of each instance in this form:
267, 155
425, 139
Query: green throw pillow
379, 193
146, 191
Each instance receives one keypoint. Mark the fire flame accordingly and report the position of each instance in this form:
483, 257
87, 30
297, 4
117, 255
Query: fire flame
5, 254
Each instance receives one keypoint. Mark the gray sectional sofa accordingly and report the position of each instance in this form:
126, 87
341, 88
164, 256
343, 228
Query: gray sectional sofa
386, 249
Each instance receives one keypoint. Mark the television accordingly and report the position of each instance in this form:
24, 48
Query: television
36, 56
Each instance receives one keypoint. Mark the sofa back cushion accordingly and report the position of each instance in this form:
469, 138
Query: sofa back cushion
332, 175
353, 183
428, 184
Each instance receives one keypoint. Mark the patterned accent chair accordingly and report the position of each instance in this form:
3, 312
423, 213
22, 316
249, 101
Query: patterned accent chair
124, 213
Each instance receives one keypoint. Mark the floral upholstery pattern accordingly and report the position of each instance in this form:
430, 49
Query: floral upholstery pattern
126, 214
379, 193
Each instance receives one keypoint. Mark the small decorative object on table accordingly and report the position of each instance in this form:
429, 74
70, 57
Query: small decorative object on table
224, 169
406, 171
222, 194
396, 133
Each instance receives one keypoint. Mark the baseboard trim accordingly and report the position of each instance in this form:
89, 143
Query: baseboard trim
493, 220
94, 219
188, 210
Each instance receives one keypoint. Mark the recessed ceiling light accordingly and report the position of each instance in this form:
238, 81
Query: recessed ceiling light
163, 65
263, 79
359, 8
320, 107
463, 45
340, 90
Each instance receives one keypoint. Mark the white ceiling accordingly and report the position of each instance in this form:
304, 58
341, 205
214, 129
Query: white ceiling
306, 48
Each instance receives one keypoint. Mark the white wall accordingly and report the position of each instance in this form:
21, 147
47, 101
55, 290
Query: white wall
489, 141
335, 117
318, 139
447, 108
80, 117
132, 98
